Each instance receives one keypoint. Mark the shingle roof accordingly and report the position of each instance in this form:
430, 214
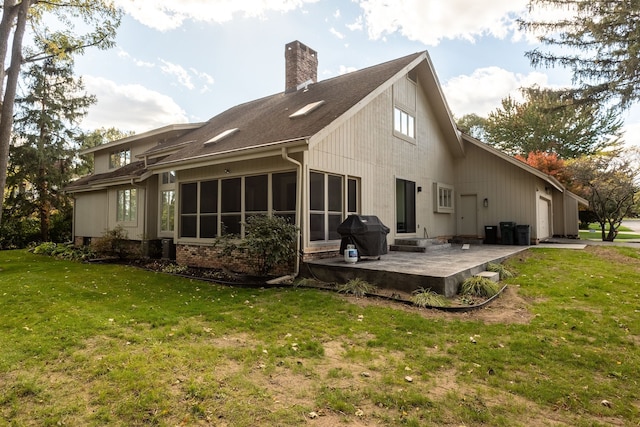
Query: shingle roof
132, 170
266, 120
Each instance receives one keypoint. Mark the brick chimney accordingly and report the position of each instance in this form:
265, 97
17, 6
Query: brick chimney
301, 65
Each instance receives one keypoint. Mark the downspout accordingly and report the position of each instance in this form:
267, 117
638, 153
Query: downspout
285, 156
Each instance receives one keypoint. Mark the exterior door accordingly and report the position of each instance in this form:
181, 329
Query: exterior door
544, 218
468, 215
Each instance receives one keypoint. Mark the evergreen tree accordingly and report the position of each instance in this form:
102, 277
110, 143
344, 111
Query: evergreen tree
99, 18
599, 40
46, 137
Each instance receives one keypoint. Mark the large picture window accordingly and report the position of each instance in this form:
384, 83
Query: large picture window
405, 206
126, 203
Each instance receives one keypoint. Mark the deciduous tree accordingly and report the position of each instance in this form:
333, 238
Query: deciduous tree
609, 181
551, 121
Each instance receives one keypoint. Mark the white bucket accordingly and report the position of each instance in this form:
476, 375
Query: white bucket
351, 254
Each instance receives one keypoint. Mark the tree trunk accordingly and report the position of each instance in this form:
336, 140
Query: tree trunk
9, 96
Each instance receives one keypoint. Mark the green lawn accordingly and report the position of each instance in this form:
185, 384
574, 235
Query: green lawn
93, 345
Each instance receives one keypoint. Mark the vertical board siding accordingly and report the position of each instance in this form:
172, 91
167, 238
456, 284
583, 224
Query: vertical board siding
91, 214
511, 191
364, 146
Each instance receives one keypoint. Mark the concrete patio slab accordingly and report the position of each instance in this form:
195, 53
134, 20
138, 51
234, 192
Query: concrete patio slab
441, 271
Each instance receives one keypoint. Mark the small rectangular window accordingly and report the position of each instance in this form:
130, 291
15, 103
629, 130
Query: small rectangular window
443, 198
120, 158
404, 123
168, 178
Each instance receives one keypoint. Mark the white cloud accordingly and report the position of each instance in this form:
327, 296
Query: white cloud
357, 25
483, 90
344, 69
129, 107
169, 14
336, 33
430, 21
178, 72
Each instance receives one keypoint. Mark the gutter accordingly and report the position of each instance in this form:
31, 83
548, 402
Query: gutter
285, 156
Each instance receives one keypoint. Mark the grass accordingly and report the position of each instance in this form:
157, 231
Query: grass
95, 345
594, 233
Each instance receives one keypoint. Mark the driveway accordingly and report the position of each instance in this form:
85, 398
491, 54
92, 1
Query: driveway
633, 224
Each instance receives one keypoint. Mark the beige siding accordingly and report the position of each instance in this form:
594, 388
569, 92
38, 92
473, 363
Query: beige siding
101, 158
90, 211
365, 147
512, 193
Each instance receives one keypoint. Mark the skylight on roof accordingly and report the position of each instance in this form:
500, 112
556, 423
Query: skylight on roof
221, 135
307, 109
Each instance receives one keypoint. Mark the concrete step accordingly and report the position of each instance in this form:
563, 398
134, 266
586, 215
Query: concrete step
418, 245
491, 275
415, 241
407, 248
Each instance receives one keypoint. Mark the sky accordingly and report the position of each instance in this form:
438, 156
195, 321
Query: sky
179, 61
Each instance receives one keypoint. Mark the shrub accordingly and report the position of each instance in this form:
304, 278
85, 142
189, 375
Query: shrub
357, 287
504, 271
269, 242
64, 251
45, 248
112, 243
479, 287
428, 298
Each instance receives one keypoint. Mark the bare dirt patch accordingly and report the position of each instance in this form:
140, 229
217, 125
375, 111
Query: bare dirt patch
508, 307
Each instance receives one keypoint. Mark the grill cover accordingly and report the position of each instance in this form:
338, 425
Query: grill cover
366, 232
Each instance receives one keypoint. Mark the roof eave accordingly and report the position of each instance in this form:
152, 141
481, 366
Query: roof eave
230, 154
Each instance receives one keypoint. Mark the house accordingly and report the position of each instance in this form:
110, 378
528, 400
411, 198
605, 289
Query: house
378, 141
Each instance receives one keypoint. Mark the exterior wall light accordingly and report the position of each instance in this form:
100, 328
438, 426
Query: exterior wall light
485, 202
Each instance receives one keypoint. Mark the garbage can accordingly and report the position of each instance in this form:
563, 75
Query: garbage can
490, 234
507, 231
366, 232
523, 234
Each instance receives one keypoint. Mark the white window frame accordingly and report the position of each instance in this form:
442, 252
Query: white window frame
404, 124
127, 205
444, 201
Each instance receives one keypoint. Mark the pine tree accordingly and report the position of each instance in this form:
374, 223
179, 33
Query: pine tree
598, 40
46, 136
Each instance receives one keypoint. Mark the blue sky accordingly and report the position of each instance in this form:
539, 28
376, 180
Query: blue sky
180, 61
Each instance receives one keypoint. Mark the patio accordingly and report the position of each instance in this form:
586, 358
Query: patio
442, 270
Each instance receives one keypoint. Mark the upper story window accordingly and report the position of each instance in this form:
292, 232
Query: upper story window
404, 123
119, 158
168, 177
